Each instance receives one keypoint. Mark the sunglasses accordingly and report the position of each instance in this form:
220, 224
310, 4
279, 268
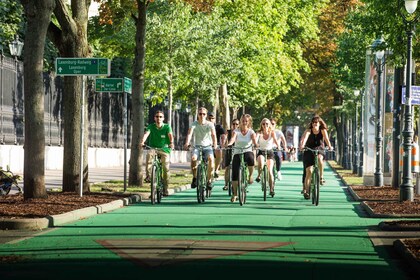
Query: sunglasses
160, 117
266, 124
273, 123
202, 114
235, 123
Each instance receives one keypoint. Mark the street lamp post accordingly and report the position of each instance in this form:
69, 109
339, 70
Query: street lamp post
406, 187
355, 144
379, 65
15, 48
361, 144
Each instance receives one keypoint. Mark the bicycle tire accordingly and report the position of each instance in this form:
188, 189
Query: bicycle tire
245, 184
159, 190
203, 183
153, 184
199, 175
264, 182
316, 188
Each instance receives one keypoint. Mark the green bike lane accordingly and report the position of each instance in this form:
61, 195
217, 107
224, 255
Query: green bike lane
285, 236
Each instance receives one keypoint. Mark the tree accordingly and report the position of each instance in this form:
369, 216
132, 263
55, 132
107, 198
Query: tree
69, 35
38, 14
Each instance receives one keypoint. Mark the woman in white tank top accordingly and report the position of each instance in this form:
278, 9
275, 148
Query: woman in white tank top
267, 140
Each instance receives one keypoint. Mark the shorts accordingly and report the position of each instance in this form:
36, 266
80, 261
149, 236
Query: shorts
309, 157
236, 163
270, 154
208, 151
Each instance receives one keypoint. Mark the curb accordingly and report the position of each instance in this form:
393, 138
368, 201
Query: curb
60, 219
373, 215
393, 226
400, 247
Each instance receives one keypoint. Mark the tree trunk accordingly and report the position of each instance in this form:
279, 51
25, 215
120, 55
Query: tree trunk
71, 40
224, 106
136, 157
38, 14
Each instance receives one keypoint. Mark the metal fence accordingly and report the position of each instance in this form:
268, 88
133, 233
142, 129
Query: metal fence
105, 111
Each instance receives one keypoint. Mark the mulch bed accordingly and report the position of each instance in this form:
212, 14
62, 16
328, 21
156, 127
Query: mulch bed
385, 200
15, 207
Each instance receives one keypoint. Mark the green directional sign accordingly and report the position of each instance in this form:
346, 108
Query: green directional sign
109, 85
127, 85
82, 66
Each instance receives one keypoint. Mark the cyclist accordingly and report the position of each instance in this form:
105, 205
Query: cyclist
228, 153
205, 136
314, 137
242, 137
161, 137
221, 138
278, 155
266, 141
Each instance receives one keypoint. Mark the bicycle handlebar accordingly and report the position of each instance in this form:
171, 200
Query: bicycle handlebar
154, 148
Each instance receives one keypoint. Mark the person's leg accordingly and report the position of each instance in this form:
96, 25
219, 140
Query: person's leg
235, 176
321, 169
234, 191
194, 157
210, 170
148, 160
217, 162
227, 170
250, 161
308, 179
166, 172
270, 163
277, 159
260, 162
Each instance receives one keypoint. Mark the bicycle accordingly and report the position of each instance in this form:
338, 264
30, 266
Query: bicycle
264, 176
7, 181
315, 180
202, 191
229, 181
156, 181
242, 177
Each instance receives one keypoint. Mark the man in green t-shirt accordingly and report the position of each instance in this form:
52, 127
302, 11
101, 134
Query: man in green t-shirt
161, 137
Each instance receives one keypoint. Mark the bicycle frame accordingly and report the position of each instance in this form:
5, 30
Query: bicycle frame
156, 182
202, 192
243, 177
315, 179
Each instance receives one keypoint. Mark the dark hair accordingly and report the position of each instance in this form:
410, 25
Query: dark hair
317, 118
159, 112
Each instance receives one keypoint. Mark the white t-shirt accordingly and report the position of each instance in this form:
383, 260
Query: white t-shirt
202, 133
243, 141
265, 144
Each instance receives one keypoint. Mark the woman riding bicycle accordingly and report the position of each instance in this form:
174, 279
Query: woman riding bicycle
266, 140
242, 137
313, 137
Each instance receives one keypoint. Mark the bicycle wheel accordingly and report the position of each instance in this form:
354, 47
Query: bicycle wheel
229, 183
199, 183
153, 184
316, 188
264, 182
5, 188
242, 186
159, 190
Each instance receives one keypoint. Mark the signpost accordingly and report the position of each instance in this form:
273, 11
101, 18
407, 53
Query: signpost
118, 85
73, 66
415, 96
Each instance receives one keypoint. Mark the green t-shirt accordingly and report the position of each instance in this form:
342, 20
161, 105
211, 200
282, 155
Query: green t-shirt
158, 137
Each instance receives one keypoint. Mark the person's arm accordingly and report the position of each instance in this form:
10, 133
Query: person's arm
232, 139
214, 137
187, 141
273, 135
171, 140
254, 139
327, 139
146, 134
303, 139
283, 140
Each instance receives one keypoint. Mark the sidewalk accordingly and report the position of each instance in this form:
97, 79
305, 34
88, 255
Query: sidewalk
285, 235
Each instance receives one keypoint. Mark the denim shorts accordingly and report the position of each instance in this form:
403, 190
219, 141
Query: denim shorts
207, 151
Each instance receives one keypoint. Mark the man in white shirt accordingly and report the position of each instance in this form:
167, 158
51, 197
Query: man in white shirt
281, 139
203, 133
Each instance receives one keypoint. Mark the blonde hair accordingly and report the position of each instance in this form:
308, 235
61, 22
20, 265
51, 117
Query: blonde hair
269, 125
249, 118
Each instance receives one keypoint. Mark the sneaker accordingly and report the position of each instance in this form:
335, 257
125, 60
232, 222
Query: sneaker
322, 181
279, 175
209, 186
216, 175
225, 188
194, 183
